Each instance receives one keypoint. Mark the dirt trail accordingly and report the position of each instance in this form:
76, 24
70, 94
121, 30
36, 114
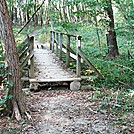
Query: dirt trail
66, 112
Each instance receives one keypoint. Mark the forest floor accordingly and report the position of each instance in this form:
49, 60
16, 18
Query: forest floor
65, 112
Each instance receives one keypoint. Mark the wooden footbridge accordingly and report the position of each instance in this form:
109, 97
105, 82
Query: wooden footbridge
50, 62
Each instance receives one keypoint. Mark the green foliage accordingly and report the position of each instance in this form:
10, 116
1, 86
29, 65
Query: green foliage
115, 71
113, 101
3, 81
19, 38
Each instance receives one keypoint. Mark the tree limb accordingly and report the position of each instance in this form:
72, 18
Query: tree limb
31, 17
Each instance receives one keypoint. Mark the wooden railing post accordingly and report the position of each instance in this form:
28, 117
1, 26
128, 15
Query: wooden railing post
67, 51
78, 62
57, 40
51, 39
61, 38
32, 58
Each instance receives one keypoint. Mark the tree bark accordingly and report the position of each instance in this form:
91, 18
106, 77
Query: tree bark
12, 61
35, 16
15, 15
110, 32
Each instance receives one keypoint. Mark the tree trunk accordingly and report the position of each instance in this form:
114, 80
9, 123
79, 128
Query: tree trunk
20, 17
12, 11
15, 15
97, 30
110, 32
41, 17
35, 16
16, 103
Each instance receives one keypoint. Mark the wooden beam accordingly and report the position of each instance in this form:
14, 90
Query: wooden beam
51, 39
67, 51
54, 80
31, 58
26, 60
78, 62
24, 52
72, 55
68, 34
61, 38
57, 44
90, 64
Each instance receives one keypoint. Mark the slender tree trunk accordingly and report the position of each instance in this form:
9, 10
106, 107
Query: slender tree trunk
16, 103
35, 16
12, 11
15, 15
41, 17
110, 33
20, 17
60, 13
97, 31
64, 11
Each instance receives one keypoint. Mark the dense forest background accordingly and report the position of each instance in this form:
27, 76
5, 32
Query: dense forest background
99, 22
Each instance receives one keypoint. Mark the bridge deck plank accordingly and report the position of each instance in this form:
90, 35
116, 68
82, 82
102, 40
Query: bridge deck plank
48, 68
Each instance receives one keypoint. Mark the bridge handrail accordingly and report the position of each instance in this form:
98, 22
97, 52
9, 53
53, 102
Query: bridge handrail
56, 40
26, 55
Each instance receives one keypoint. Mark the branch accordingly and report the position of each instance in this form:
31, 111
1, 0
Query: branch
31, 17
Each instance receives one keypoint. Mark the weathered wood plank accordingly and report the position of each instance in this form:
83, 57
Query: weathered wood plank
31, 67
31, 58
78, 62
24, 52
54, 80
67, 51
26, 60
67, 34
51, 38
71, 54
90, 64
61, 38
57, 39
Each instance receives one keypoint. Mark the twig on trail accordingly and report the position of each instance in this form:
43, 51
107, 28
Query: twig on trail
125, 84
28, 116
31, 17
92, 111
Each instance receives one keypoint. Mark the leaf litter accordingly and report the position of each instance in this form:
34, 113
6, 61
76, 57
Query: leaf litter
65, 112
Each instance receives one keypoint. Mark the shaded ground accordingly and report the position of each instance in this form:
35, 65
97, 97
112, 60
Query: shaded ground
67, 112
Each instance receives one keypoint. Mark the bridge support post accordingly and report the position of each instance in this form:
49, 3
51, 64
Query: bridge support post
57, 40
78, 62
61, 38
68, 52
32, 58
32, 67
51, 38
